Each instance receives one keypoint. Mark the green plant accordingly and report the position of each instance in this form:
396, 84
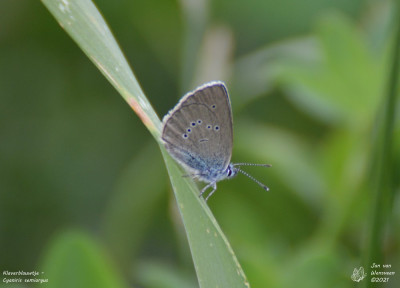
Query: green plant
214, 260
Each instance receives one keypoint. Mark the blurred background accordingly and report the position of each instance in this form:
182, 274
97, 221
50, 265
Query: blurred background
84, 192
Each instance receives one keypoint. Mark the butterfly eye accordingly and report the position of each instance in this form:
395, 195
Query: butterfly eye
199, 121
208, 126
189, 130
193, 124
213, 106
216, 128
185, 136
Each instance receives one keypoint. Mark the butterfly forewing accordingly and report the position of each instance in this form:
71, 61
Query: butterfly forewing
198, 131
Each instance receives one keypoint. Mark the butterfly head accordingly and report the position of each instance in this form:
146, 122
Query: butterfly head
231, 171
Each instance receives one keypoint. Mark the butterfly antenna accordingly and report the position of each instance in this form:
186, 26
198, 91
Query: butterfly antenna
252, 164
251, 177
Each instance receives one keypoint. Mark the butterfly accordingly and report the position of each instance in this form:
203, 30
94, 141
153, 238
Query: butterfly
198, 134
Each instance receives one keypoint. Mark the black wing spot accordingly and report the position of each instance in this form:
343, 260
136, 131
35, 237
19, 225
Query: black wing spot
203, 140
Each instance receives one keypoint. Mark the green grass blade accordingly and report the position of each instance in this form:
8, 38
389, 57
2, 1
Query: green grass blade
83, 22
384, 174
215, 262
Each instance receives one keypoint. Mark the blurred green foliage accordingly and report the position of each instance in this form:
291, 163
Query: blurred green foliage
307, 80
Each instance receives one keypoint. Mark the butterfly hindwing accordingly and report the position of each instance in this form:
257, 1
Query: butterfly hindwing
198, 131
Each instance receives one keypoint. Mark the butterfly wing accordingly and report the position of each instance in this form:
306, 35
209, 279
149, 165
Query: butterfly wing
198, 131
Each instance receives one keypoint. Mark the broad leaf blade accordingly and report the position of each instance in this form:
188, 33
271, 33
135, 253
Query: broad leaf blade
75, 260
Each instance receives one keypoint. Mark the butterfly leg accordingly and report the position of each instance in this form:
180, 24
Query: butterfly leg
213, 185
204, 189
